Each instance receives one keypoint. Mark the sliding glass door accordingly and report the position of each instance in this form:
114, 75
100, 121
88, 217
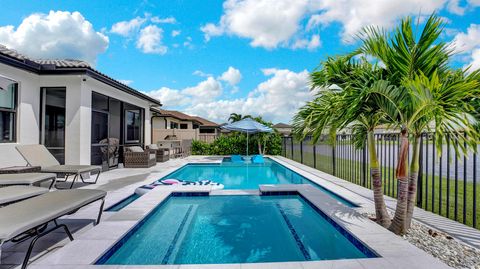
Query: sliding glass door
52, 133
114, 124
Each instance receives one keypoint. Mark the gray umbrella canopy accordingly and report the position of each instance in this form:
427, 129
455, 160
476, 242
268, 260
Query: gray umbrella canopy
248, 126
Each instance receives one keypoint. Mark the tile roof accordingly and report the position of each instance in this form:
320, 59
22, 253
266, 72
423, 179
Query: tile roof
40, 66
182, 116
282, 125
206, 122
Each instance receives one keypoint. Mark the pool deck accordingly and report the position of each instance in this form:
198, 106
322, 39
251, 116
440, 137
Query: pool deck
92, 242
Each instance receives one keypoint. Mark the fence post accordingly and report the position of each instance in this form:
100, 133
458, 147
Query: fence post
314, 156
364, 167
334, 162
301, 151
420, 174
291, 145
284, 139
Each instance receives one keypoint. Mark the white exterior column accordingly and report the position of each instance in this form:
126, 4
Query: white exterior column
78, 123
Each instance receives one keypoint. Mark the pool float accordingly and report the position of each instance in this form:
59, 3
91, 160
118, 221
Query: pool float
171, 181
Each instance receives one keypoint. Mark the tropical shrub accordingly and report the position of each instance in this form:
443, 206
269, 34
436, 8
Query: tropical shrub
236, 143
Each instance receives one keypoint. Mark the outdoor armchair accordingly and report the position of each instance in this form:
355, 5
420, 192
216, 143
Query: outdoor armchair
38, 155
162, 154
136, 157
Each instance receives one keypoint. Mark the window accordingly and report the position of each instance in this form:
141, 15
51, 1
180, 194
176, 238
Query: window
132, 126
173, 125
8, 110
53, 121
183, 126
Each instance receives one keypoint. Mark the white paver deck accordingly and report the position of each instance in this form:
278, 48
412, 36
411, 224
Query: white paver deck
90, 242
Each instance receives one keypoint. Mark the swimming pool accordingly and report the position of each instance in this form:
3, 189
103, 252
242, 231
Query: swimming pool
247, 176
234, 229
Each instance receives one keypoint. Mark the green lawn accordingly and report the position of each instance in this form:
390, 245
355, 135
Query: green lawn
351, 171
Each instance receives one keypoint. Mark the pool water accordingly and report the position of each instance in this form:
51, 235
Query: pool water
234, 229
246, 176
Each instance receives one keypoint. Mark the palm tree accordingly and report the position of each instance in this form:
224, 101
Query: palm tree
426, 92
354, 106
238, 117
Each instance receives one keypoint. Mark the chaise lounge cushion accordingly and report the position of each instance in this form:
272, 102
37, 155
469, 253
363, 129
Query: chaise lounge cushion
72, 169
15, 193
27, 214
25, 178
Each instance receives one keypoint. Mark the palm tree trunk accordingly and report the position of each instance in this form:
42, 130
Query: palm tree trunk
380, 208
412, 184
398, 223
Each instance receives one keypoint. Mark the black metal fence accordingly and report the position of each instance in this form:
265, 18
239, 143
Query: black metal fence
447, 183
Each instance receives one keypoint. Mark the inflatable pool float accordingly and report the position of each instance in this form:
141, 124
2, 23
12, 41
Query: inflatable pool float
171, 181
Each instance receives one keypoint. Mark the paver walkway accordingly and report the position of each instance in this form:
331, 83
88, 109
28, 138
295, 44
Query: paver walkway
459, 231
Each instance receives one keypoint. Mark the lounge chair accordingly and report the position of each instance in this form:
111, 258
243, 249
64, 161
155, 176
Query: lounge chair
38, 155
13, 194
30, 217
27, 179
236, 159
258, 159
136, 157
162, 154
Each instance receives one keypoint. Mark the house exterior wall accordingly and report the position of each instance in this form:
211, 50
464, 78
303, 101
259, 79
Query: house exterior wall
79, 90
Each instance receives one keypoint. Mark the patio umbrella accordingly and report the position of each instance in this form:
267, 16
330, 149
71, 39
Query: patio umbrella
248, 126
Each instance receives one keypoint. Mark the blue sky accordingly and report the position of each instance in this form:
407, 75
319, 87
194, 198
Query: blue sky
211, 58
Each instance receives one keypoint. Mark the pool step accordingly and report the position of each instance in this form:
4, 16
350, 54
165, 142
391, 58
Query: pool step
294, 233
177, 240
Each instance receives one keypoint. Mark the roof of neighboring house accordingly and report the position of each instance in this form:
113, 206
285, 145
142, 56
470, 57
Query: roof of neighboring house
282, 125
65, 67
206, 122
182, 116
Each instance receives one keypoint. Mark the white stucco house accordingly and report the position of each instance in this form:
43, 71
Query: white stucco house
81, 115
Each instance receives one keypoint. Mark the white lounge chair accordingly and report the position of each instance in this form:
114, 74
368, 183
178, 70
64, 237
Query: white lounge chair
30, 217
27, 179
38, 155
13, 194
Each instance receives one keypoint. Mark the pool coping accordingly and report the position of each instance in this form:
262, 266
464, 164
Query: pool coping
88, 247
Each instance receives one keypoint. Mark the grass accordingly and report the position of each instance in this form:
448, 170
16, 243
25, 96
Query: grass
351, 170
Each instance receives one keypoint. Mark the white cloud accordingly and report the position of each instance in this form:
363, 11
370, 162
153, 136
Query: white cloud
276, 99
475, 63
176, 33
127, 28
232, 76
169, 20
170, 97
126, 81
468, 45
311, 44
58, 34
354, 14
200, 73
454, 7
465, 42
204, 91
267, 23
286, 23
150, 40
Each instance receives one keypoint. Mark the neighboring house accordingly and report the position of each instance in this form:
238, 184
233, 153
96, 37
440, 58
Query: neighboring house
171, 124
71, 108
284, 129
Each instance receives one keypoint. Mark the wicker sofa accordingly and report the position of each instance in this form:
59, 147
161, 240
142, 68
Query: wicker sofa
162, 154
136, 157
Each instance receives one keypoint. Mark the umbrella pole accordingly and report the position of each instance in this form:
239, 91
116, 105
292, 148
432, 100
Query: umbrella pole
247, 144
